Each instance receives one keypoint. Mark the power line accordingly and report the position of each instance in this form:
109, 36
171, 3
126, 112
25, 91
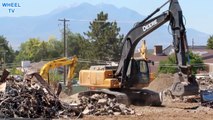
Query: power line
117, 21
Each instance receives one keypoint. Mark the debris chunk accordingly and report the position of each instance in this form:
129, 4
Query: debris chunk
101, 104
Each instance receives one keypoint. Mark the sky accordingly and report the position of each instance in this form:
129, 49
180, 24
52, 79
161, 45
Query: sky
198, 13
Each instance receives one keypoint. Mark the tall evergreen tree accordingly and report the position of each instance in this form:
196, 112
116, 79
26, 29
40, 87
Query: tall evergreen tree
210, 42
105, 38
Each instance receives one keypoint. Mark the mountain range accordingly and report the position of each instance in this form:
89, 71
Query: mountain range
20, 29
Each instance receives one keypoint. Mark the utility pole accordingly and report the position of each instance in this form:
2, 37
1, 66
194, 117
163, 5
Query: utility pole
193, 43
65, 46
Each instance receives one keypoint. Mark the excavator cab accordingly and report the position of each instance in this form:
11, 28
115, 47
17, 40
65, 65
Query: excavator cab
138, 72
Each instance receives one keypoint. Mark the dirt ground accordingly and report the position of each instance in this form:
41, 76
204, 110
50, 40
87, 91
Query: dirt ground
161, 113
170, 109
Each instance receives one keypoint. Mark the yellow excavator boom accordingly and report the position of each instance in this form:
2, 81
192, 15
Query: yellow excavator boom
44, 72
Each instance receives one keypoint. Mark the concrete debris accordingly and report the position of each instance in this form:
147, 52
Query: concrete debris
102, 101
101, 104
205, 84
206, 91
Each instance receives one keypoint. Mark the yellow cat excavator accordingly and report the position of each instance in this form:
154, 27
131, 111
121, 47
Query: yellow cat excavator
123, 81
44, 72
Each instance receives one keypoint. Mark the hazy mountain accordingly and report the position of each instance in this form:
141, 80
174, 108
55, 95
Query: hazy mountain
20, 29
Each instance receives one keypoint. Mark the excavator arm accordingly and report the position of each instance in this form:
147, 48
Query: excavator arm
44, 72
149, 24
135, 35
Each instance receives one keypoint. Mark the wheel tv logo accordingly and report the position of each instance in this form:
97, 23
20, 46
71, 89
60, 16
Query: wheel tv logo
11, 6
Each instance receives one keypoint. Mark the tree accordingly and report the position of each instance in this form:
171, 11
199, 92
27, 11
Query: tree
55, 48
105, 38
169, 65
77, 45
196, 61
210, 42
29, 50
36, 50
7, 54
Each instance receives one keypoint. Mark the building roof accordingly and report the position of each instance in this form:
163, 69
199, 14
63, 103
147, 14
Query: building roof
155, 58
206, 54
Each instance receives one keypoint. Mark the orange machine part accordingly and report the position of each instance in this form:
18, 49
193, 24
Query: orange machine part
98, 78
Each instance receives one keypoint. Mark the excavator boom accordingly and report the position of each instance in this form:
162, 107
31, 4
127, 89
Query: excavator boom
44, 72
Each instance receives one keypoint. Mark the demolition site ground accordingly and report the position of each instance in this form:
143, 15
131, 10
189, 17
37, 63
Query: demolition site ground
32, 97
170, 110
188, 108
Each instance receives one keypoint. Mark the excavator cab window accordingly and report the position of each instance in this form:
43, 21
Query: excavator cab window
144, 71
138, 72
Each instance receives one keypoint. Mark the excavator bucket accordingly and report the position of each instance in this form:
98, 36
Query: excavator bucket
184, 86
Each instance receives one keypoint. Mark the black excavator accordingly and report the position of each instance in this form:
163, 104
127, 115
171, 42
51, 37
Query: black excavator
123, 80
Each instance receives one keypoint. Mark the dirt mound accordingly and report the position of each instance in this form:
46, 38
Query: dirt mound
162, 82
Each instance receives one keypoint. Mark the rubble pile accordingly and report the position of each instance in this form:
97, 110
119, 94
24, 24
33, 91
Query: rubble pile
206, 91
205, 84
32, 97
101, 104
23, 100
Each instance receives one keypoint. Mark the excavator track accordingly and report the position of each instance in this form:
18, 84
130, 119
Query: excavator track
128, 96
143, 97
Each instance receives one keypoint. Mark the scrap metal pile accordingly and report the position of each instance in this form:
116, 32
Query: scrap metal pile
27, 99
